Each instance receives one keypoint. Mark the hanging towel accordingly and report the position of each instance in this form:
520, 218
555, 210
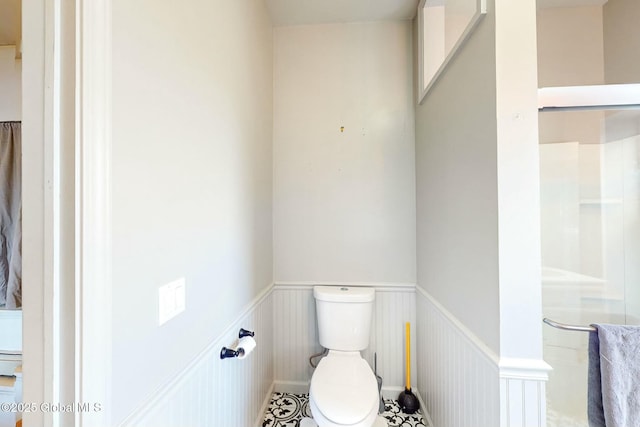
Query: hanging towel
614, 376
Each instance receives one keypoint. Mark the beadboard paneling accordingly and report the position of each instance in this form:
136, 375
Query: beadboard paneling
214, 392
522, 393
394, 307
459, 383
463, 382
296, 333
518, 395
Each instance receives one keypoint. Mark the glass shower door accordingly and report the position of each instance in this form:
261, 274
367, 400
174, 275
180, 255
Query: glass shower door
590, 225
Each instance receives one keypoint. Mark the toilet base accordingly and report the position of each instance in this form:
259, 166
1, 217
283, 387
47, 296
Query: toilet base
308, 422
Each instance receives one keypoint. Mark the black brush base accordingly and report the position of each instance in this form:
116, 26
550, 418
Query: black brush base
408, 402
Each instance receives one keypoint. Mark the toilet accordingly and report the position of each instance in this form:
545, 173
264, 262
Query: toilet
344, 390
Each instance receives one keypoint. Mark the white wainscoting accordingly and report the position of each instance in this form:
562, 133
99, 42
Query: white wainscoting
460, 381
522, 392
296, 333
463, 382
214, 392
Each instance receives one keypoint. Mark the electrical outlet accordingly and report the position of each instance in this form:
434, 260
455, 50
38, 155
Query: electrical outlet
171, 300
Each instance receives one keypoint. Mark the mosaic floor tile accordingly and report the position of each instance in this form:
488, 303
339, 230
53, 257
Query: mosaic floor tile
287, 409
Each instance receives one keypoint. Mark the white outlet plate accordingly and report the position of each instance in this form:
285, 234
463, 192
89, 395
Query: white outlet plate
171, 300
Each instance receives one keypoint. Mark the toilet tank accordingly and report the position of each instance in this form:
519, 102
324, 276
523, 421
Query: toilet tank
344, 316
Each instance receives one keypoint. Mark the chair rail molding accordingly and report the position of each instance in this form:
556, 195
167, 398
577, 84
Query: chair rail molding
211, 391
295, 331
93, 226
455, 362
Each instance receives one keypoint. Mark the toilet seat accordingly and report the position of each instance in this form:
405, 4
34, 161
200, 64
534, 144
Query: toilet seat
344, 390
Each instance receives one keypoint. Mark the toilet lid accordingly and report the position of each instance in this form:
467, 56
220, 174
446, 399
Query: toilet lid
344, 388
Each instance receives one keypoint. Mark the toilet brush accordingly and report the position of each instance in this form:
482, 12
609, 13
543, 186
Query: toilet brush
407, 400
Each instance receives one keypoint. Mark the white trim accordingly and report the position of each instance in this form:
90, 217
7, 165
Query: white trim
50, 232
93, 211
265, 406
589, 96
473, 339
255, 302
302, 387
392, 392
37, 188
64, 237
423, 409
379, 286
424, 87
524, 369
511, 368
521, 381
156, 397
295, 387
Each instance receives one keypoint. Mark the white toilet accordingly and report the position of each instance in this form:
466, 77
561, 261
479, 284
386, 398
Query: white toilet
344, 390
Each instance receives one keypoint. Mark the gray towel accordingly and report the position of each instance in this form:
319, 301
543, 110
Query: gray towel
614, 376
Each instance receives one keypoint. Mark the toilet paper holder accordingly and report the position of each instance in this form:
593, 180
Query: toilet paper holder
226, 353
245, 333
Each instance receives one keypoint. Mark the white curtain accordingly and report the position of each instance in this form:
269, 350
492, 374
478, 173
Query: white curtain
10, 215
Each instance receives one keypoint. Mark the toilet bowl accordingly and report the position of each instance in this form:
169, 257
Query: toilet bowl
344, 391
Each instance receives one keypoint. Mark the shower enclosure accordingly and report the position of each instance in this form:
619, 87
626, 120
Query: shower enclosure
590, 224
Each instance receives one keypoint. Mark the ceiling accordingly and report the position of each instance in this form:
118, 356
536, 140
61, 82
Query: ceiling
300, 12
569, 3
295, 12
10, 22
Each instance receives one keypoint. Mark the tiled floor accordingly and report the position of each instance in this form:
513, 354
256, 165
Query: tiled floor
287, 409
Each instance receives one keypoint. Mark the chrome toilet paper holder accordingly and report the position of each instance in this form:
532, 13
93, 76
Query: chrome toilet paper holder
227, 353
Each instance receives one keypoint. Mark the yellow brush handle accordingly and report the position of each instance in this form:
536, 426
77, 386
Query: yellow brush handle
408, 344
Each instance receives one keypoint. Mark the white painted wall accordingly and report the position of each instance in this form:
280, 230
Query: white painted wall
191, 167
518, 181
36, 110
457, 208
344, 200
621, 41
10, 85
478, 224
